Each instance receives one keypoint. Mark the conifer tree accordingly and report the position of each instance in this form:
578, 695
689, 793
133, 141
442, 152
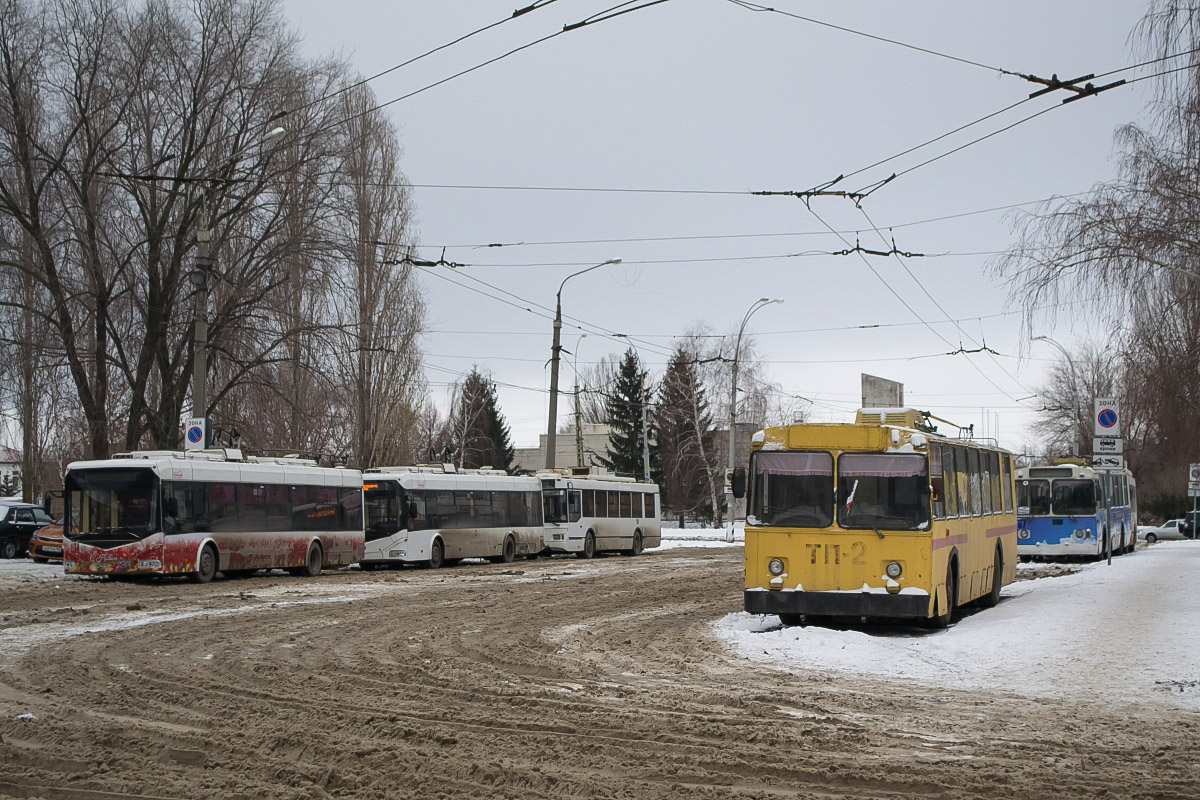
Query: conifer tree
478, 430
685, 438
630, 395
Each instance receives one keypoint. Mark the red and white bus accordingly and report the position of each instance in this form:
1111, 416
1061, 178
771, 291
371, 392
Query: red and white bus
202, 511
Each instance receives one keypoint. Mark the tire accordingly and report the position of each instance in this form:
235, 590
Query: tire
1151, 538
39, 559
943, 620
313, 561
637, 548
437, 555
206, 566
790, 620
508, 553
589, 546
990, 599
8, 549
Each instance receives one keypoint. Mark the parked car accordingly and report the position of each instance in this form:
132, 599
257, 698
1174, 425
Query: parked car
46, 544
1168, 530
18, 521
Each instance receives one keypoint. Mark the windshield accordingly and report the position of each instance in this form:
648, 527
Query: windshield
1033, 498
384, 508
1074, 498
883, 491
794, 489
108, 507
554, 505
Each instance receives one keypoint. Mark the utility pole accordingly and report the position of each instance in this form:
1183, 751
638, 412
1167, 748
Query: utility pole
555, 348
645, 441
1074, 392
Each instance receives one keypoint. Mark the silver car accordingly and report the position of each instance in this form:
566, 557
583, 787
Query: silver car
1168, 530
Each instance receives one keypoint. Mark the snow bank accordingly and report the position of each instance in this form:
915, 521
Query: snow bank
1130, 631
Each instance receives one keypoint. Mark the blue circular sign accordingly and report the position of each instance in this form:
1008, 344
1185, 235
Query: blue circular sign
195, 434
1107, 418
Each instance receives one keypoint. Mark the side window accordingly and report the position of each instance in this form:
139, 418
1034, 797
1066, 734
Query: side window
325, 508
950, 471
1007, 479
985, 479
574, 501
614, 505
278, 515
222, 506
937, 481
976, 508
252, 507
601, 503
650, 505
589, 502
626, 505
41, 517
24, 515
350, 510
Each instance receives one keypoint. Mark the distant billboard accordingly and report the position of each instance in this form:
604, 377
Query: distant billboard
881, 393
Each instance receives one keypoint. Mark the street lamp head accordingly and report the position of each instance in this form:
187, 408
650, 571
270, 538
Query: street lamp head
612, 261
274, 133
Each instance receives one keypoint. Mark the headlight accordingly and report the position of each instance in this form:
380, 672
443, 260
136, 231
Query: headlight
775, 566
894, 569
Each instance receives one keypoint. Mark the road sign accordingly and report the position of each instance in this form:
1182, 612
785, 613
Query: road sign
195, 433
1194, 492
1108, 445
1107, 419
1108, 462
1194, 473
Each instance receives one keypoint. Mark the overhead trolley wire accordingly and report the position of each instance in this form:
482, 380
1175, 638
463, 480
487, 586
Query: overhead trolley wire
601, 16
756, 7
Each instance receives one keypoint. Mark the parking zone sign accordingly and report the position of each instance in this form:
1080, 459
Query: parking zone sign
1107, 419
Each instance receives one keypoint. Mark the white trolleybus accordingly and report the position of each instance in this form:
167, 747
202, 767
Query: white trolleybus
1067, 510
437, 515
587, 513
202, 511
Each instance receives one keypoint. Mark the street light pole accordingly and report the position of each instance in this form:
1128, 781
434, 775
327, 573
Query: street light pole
1074, 392
204, 264
555, 348
759, 303
578, 413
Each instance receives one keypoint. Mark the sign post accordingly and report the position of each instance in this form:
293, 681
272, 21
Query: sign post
1194, 491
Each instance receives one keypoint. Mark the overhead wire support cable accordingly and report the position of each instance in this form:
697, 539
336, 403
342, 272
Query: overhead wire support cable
566, 29
520, 12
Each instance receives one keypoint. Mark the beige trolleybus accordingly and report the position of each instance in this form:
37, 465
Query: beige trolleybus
882, 518
589, 512
438, 515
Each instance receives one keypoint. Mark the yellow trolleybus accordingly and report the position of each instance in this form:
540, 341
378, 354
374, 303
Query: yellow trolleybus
883, 518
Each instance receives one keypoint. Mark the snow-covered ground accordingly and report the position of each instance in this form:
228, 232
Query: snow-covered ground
700, 537
1130, 631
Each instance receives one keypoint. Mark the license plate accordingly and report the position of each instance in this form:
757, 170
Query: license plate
55, 550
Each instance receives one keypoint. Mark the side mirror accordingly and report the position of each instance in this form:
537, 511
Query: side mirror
739, 482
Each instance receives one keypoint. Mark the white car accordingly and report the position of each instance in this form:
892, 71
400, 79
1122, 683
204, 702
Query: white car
1168, 530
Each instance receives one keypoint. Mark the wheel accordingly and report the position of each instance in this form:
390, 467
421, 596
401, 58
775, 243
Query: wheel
437, 555
508, 554
636, 550
943, 620
8, 549
206, 566
312, 563
990, 599
39, 560
789, 620
1151, 538
589, 546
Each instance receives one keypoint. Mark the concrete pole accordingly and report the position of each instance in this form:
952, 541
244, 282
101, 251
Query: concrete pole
200, 317
737, 348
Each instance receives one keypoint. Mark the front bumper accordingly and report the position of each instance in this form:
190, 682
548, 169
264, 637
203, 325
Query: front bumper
837, 604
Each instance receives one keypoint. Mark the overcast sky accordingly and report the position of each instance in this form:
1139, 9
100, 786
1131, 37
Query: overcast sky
714, 101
